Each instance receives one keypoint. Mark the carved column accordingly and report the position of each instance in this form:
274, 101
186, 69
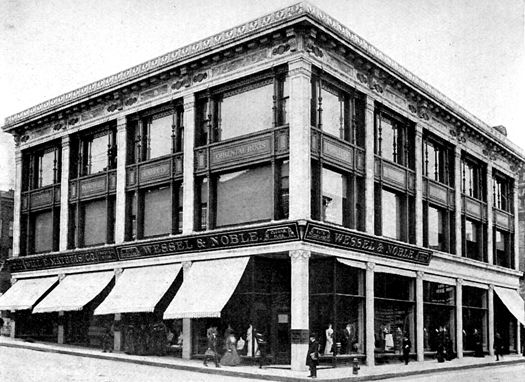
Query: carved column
299, 308
188, 191
186, 322
459, 317
17, 203
120, 209
299, 122
457, 183
60, 334
117, 323
490, 220
490, 300
419, 184
518, 235
369, 164
420, 345
369, 314
64, 194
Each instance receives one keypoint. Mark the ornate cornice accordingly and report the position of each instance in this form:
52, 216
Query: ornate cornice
251, 28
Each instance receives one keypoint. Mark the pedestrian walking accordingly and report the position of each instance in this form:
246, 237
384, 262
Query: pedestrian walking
312, 357
407, 345
498, 346
107, 338
211, 352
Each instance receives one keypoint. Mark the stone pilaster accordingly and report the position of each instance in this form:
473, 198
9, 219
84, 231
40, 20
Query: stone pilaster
299, 124
17, 203
459, 318
188, 191
490, 203
517, 233
457, 183
369, 314
419, 185
64, 194
299, 308
186, 322
490, 300
120, 210
420, 345
117, 333
369, 164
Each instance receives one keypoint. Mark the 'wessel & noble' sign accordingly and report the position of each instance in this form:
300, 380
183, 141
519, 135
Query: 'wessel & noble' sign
277, 233
364, 243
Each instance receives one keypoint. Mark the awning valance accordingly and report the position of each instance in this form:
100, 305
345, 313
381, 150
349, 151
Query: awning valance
206, 288
139, 289
74, 292
513, 302
25, 293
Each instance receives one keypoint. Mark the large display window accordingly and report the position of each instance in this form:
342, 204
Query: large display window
337, 307
439, 309
475, 330
394, 312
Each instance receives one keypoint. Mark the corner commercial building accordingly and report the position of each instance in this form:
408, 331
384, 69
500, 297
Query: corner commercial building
283, 175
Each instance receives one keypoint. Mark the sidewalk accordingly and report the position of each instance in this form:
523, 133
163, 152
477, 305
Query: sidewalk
274, 372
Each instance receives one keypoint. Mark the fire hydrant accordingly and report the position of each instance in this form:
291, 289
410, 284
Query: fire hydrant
355, 366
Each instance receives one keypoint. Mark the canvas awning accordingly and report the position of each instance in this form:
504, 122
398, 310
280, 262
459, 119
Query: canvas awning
74, 292
206, 288
25, 293
513, 302
139, 289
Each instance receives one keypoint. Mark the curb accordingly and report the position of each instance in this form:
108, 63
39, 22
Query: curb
254, 376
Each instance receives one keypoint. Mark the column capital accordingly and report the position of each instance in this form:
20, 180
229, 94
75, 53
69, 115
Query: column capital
299, 67
419, 130
66, 140
13, 280
61, 277
491, 287
189, 104
370, 266
118, 272
459, 281
186, 265
370, 103
420, 275
299, 255
18, 156
457, 151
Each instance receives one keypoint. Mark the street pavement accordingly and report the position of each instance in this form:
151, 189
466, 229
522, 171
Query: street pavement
503, 373
24, 365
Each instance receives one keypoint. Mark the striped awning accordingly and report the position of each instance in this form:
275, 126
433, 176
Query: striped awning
25, 293
139, 289
206, 288
74, 292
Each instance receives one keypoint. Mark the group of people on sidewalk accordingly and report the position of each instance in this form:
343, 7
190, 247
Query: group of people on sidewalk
256, 347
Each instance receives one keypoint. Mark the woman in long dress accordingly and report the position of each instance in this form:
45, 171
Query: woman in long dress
230, 357
329, 340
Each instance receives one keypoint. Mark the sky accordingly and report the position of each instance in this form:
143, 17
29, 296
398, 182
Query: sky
471, 50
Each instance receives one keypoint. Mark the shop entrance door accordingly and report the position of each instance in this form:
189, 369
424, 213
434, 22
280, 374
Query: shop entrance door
282, 337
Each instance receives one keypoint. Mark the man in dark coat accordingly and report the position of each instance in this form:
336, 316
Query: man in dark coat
211, 334
312, 357
407, 345
498, 346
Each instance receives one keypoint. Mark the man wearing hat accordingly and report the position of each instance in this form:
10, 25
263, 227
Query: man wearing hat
312, 357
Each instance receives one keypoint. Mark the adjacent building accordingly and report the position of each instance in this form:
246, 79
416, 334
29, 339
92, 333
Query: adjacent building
6, 236
282, 176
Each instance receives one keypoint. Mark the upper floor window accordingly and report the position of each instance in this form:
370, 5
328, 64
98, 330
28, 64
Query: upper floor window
94, 152
394, 139
240, 109
155, 134
438, 162
337, 111
42, 167
394, 214
473, 178
502, 192
503, 253
10, 228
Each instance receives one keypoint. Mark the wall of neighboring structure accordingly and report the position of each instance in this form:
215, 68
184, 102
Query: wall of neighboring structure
6, 234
